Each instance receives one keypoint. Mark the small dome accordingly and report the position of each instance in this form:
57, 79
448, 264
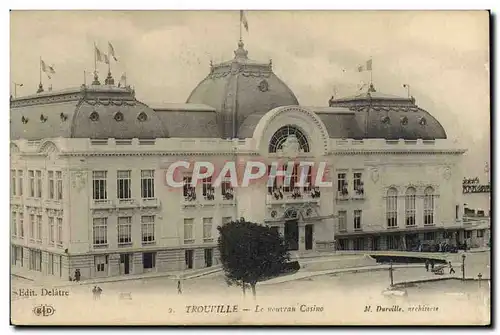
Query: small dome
240, 88
378, 115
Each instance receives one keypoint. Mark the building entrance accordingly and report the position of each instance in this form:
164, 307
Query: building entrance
292, 234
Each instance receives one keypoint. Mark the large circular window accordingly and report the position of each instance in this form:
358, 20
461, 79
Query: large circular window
285, 133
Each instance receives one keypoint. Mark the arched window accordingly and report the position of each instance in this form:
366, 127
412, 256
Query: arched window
281, 135
392, 207
410, 206
429, 206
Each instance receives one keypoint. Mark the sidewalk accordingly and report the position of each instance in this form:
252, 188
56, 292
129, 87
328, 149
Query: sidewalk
307, 274
38, 279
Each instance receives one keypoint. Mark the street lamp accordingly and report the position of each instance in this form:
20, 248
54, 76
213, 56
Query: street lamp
463, 266
15, 88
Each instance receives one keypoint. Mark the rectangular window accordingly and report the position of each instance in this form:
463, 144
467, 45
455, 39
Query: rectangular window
480, 233
431, 236
123, 185
308, 178
32, 227
100, 231
341, 182
147, 184
392, 242
51, 231
208, 257
51, 185
38, 184
468, 234
39, 228
14, 224
59, 231
124, 230
358, 183
148, 229
410, 207
59, 192
226, 189
21, 225
343, 244
99, 185
272, 190
342, 220
357, 220
188, 230
51, 264
290, 180
208, 189
31, 175
149, 260
207, 228
428, 208
101, 263
188, 190
13, 182
20, 183
359, 243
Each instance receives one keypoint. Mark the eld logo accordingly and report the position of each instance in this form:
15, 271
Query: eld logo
43, 310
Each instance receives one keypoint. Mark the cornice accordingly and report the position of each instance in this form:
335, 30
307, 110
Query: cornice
396, 152
154, 153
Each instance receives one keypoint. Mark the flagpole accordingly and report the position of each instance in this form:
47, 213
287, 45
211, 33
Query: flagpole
40, 70
95, 59
241, 20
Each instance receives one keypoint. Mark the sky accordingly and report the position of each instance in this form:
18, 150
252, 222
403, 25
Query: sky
443, 56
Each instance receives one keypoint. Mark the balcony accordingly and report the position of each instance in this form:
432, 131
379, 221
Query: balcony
343, 195
148, 241
124, 243
297, 195
101, 204
126, 203
358, 194
150, 202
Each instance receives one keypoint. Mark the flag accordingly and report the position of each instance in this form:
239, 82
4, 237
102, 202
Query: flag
99, 55
106, 58
366, 67
47, 69
112, 51
243, 20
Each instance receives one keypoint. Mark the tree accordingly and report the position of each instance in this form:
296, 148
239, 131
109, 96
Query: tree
250, 253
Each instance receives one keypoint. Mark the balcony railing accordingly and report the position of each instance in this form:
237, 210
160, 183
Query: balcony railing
343, 195
126, 203
102, 203
278, 195
150, 202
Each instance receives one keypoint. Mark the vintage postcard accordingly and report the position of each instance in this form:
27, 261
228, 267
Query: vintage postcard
250, 168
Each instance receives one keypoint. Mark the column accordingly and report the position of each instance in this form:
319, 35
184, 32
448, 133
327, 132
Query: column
302, 237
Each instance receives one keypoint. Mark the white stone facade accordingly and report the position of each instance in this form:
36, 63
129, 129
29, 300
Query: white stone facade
397, 165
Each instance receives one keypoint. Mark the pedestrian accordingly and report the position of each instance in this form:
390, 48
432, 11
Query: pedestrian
94, 292
432, 265
77, 275
99, 291
179, 288
451, 268
427, 265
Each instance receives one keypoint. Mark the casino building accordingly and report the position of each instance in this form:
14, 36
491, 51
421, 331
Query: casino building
88, 173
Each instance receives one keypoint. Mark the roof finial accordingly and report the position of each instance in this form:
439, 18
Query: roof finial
40, 88
241, 52
96, 79
109, 79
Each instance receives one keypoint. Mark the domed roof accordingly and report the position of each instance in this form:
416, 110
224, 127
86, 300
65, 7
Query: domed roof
240, 88
378, 115
95, 111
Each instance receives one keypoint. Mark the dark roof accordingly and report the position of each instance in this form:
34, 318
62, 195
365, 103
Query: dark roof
85, 112
378, 115
241, 90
